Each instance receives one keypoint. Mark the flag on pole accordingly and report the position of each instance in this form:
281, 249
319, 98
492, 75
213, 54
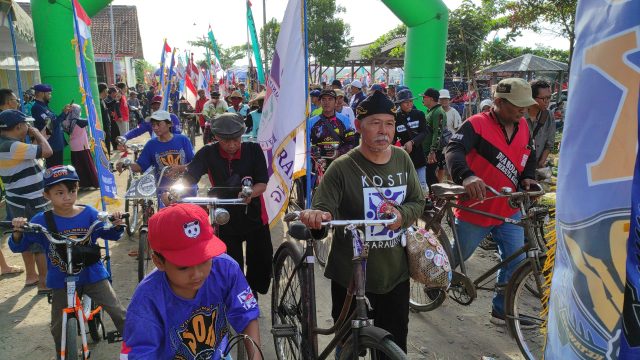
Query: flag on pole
167, 89
166, 50
214, 44
594, 306
282, 128
82, 35
190, 91
254, 42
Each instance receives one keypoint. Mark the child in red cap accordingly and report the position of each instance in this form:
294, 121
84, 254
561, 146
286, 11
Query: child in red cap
184, 309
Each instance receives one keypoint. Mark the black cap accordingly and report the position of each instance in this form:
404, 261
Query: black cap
432, 93
376, 103
337, 83
328, 93
229, 126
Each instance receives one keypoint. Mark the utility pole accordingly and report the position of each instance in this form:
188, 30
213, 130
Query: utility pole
113, 43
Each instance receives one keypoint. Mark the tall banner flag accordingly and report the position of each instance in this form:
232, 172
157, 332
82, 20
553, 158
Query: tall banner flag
254, 42
82, 36
163, 59
594, 200
214, 44
167, 88
282, 128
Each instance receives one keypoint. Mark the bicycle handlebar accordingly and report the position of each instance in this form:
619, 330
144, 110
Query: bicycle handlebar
37, 228
507, 192
364, 222
210, 201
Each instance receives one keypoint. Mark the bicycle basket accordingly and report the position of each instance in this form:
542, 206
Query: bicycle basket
428, 261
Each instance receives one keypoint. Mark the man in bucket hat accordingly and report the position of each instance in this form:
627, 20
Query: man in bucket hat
494, 148
232, 165
197, 289
369, 181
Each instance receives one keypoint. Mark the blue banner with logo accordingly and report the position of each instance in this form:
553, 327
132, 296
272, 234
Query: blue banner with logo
82, 34
594, 199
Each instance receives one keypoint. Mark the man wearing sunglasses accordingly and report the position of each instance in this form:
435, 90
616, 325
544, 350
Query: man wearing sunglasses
541, 122
494, 148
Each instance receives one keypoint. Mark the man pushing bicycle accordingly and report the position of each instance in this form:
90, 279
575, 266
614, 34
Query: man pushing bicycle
371, 180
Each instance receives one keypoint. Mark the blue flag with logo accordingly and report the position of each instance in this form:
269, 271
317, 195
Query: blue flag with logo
595, 238
82, 34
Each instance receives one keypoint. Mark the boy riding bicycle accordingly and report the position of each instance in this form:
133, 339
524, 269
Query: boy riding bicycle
184, 309
61, 188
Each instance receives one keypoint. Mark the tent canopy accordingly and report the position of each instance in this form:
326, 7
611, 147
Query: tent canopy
526, 63
25, 40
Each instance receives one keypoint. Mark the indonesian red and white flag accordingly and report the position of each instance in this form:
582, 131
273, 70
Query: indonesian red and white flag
190, 92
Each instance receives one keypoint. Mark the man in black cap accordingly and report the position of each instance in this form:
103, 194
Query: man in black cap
436, 120
45, 118
232, 164
371, 180
411, 129
331, 127
336, 85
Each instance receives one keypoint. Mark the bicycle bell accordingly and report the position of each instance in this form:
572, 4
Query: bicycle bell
221, 216
506, 190
121, 140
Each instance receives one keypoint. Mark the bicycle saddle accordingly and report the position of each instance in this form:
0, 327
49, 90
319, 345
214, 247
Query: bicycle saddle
443, 190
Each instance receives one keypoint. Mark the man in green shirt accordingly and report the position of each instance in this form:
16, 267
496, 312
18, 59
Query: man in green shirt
436, 119
368, 181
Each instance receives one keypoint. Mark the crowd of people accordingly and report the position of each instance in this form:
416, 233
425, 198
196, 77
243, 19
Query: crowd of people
388, 155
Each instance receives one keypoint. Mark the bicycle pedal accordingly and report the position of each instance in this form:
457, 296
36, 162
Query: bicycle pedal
50, 297
284, 330
113, 337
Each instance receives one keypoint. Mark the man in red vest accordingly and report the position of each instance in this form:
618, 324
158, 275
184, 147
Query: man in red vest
494, 148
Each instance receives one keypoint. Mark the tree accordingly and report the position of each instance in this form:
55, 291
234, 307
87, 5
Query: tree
469, 25
555, 16
328, 35
269, 36
228, 56
142, 67
499, 50
375, 48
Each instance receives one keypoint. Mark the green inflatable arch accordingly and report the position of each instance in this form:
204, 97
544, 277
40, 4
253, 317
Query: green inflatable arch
53, 28
426, 20
426, 49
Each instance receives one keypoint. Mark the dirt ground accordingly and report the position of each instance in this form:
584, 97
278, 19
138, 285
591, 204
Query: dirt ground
452, 331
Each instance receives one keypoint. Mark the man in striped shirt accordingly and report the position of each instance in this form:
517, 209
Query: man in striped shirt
22, 175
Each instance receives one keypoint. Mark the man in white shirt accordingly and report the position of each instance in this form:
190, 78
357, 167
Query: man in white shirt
343, 108
453, 116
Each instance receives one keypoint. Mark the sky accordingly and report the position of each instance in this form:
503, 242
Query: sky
183, 20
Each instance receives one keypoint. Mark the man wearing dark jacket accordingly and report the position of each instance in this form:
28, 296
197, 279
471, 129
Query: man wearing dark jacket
411, 129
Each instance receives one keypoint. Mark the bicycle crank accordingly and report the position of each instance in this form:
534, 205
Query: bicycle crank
462, 289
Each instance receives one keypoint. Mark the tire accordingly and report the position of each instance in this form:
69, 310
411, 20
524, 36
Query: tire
144, 256
297, 200
131, 207
370, 348
96, 326
421, 299
72, 339
286, 307
321, 248
524, 302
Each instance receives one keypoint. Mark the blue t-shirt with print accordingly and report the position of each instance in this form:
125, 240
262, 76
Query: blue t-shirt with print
76, 226
156, 153
163, 325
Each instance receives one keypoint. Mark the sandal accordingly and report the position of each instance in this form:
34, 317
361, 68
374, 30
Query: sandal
13, 270
44, 291
33, 283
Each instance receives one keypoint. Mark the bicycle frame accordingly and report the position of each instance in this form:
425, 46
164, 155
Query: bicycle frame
358, 319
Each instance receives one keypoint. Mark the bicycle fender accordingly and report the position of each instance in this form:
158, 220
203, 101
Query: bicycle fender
376, 333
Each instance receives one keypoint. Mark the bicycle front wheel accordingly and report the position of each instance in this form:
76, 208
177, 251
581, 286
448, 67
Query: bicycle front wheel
71, 345
286, 302
96, 326
370, 348
145, 265
524, 306
321, 249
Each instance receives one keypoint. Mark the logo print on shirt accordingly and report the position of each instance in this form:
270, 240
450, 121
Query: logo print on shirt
247, 300
200, 335
374, 203
192, 229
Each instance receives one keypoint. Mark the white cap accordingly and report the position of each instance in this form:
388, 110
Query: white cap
356, 83
444, 94
485, 102
161, 115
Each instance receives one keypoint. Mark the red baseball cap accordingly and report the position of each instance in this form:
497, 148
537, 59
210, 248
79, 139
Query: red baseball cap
182, 234
156, 99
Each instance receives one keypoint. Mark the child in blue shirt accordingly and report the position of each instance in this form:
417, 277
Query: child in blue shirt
183, 309
61, 188
166, 149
